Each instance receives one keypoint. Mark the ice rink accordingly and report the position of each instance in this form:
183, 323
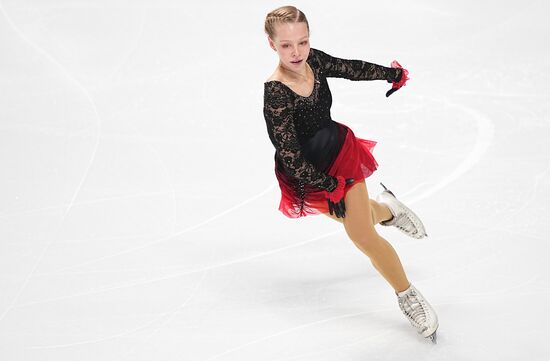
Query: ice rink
138, 200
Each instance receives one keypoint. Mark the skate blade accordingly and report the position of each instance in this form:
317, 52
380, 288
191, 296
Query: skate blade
433, 337
387, 190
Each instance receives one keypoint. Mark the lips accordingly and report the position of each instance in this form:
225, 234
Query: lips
296, 62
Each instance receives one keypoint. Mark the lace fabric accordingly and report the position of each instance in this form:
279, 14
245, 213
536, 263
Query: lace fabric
293, 121
354, 69
279, 117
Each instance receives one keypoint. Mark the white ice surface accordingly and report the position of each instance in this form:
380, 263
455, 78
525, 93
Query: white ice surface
127, 230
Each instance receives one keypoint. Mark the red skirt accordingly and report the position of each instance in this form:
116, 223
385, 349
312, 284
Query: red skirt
354, 160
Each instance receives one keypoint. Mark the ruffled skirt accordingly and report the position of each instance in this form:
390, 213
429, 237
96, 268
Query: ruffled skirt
352, 159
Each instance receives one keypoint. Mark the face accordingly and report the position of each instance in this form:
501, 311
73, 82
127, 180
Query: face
291, 43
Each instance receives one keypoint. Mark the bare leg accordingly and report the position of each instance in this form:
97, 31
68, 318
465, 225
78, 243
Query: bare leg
362, 214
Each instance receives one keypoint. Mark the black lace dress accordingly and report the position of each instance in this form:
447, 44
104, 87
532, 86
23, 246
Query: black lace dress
311, 149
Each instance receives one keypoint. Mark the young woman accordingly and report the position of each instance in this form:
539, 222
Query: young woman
321, 165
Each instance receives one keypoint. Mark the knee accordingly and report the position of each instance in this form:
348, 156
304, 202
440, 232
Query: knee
369, 242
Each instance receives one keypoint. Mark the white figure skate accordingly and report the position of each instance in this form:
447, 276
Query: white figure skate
419, 312
403, 218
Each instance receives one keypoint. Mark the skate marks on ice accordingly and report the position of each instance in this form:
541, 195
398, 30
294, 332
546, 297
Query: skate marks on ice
183, 273
172, 235
78, 188
485, 130
346, 344
75, 193
484, 139
168, 315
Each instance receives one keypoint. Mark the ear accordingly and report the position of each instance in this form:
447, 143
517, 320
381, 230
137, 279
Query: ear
271, 44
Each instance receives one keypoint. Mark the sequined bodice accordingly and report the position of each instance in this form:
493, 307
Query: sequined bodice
311, 113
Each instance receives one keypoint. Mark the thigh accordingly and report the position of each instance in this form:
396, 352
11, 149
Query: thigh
366, 209
333, 216
358, 220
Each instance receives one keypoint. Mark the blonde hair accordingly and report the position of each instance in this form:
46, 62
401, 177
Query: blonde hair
283, 14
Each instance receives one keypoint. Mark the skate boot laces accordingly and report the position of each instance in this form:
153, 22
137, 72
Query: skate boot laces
414, 310
403, 219
418, 311
402, 222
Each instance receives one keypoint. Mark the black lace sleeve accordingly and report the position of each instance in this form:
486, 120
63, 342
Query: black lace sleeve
278, 114
355, 69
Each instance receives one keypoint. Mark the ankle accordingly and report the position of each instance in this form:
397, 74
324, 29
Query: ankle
388, 215
403, 289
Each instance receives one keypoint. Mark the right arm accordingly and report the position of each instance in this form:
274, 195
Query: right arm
278, 114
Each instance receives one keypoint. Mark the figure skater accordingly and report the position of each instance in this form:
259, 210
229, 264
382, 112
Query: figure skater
321, 165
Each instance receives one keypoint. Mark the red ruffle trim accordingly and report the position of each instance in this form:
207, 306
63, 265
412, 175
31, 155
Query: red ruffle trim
404, 77
355, 160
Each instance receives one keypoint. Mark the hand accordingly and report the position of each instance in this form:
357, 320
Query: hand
335, 198
398, 83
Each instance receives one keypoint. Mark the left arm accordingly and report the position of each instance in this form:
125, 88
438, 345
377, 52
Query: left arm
355, 69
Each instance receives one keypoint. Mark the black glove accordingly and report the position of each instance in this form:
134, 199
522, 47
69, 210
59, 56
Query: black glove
339, 207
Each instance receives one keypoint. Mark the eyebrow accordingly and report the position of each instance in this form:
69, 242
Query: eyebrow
289, 40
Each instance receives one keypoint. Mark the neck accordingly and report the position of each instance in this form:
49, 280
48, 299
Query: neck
302, 75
